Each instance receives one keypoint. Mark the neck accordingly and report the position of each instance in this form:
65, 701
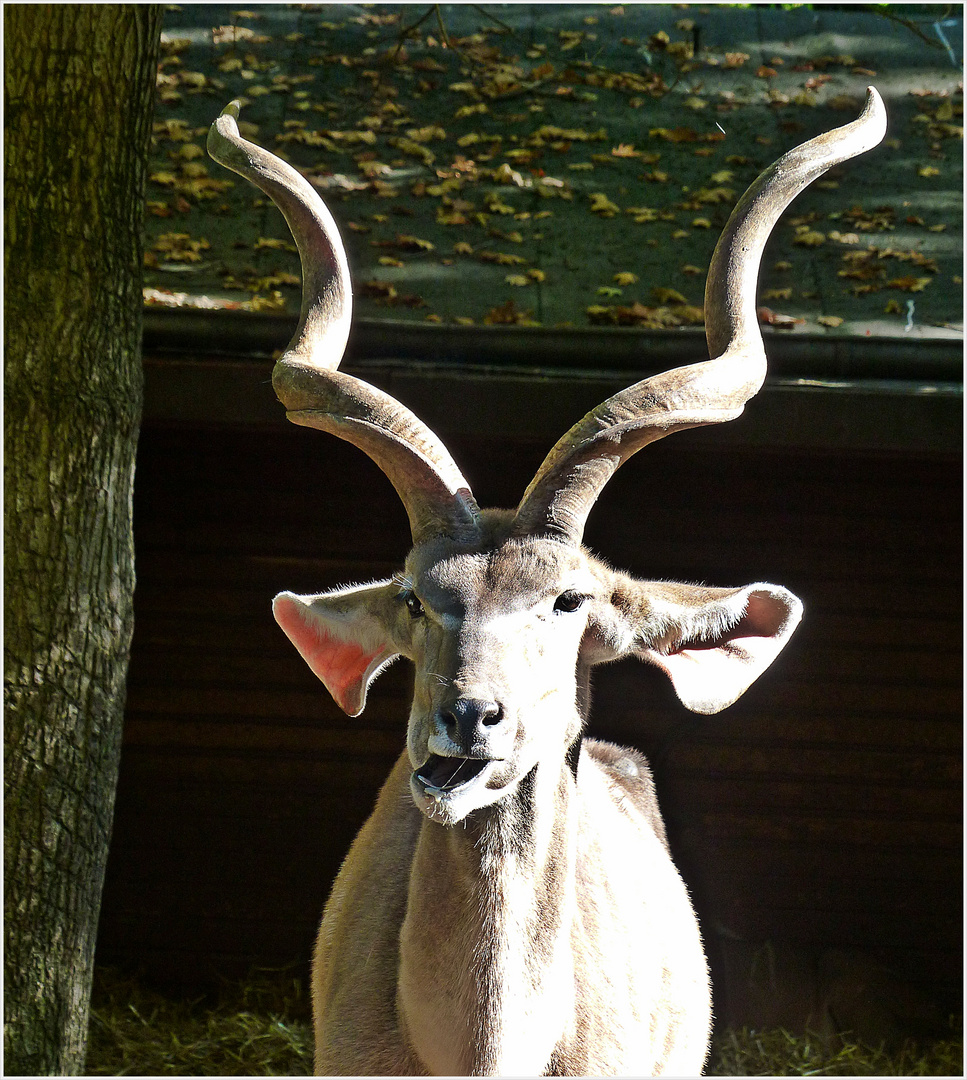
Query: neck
485, 978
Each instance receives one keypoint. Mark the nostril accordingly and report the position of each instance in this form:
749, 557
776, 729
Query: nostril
492, 714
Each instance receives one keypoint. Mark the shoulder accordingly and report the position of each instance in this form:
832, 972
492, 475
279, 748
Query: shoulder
629, 779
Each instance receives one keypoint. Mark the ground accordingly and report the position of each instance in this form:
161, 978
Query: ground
566, 165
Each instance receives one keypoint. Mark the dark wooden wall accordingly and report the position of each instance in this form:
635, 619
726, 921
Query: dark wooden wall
821, 814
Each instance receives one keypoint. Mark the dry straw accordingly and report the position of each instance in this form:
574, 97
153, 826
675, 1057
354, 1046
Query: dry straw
260, 1027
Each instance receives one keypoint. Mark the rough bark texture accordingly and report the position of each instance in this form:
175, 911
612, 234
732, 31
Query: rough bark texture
78, 83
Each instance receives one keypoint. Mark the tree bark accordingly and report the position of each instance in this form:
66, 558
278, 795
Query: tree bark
78, 84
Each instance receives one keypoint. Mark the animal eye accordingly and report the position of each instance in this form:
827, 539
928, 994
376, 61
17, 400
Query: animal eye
569, 601
413, 605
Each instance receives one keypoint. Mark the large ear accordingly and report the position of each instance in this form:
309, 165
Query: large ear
345, 636
712, 643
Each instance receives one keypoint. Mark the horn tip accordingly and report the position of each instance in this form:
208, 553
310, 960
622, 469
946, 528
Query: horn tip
224, 133
874, 116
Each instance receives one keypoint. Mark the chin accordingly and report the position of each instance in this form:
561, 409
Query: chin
448, 790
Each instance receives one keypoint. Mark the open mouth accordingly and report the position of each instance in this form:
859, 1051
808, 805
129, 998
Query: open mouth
439, 775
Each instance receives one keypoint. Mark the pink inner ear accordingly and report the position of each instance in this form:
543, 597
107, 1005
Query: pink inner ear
708, 678
342, 665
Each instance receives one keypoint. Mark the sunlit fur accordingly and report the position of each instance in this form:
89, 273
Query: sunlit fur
511, 907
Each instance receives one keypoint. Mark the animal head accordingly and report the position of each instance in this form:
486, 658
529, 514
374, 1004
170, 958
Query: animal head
503, 613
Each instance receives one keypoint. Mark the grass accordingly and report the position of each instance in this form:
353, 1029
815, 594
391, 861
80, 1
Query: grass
778, 1053
260, 1027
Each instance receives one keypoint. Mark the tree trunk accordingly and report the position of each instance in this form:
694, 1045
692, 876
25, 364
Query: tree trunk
78, 82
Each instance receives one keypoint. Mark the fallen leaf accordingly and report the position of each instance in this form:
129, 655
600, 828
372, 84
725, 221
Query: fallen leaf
768, 317
625, 278
496, 205
712, 196
676, 135
414, 149
272, 243
180, 247
829, 320
601, 204
806, 237
909, 283
649, 318
281, 278
642, 214
501, 258
508, 314
166, 179
385, 293
667, 296
405, 243
425, 134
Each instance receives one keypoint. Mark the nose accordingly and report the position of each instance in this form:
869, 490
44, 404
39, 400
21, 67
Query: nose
471, 722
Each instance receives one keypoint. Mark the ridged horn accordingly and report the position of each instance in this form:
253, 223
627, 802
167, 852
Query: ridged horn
561, 495
306, 380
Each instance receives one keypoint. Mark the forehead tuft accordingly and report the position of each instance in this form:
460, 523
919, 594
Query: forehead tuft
526, 568
532, 562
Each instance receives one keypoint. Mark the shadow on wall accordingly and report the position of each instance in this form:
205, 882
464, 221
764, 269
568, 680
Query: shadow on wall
827, 992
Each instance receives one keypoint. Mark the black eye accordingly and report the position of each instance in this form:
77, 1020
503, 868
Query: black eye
569, 601
413, 605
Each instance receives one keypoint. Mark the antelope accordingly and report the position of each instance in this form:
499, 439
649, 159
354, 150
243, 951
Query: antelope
511, 905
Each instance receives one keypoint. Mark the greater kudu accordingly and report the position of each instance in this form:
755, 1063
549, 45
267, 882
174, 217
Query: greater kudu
511, 905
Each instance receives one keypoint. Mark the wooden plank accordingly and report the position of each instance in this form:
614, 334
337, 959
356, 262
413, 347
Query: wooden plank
829, 762
782, 795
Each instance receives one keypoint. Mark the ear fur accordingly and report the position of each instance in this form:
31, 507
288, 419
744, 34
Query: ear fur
712, 643
345, 636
